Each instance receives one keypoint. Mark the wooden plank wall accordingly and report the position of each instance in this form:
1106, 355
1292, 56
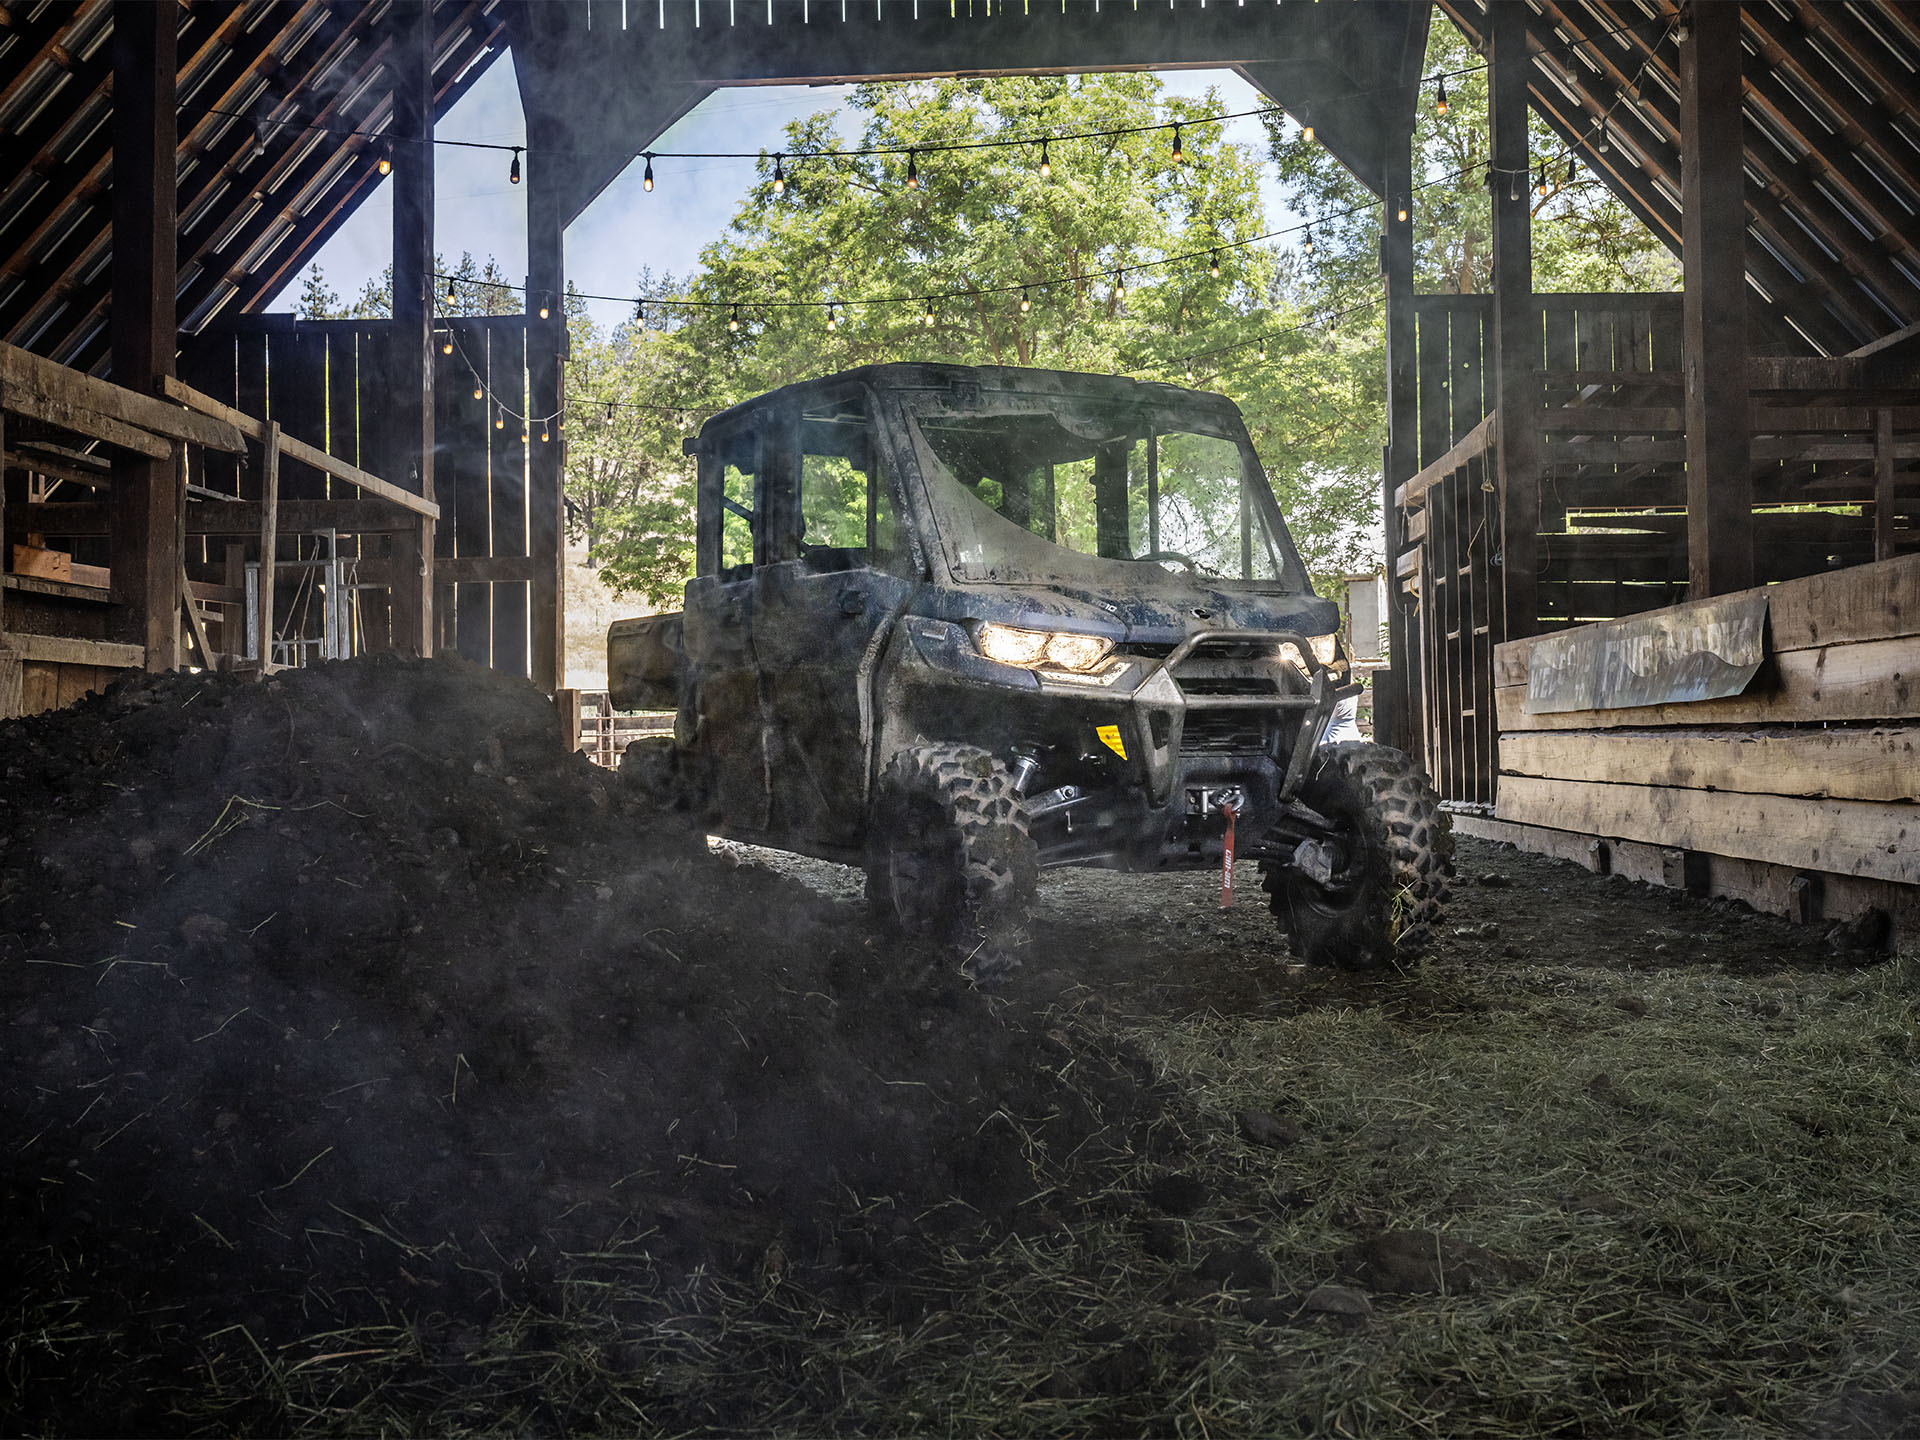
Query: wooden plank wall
1814, 770
324, 382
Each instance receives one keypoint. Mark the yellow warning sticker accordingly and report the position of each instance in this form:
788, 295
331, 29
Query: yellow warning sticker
1110, 737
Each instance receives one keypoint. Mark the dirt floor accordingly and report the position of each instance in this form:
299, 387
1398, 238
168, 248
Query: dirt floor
370, 1066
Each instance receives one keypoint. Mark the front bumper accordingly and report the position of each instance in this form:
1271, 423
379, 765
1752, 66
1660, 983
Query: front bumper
1130, 767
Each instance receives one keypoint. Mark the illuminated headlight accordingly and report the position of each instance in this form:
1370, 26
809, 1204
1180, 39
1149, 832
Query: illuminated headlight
1326, 648
1011, 645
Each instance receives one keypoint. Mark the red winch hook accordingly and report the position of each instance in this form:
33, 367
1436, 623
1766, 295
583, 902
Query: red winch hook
1226, 860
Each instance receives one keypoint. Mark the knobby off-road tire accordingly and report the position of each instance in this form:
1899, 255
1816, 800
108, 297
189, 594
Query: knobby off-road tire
650, 772
950, 856
1384, 906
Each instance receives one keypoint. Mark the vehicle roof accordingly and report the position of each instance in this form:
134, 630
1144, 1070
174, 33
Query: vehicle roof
918, 374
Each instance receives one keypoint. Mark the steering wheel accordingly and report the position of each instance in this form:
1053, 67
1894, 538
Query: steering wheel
1186, 560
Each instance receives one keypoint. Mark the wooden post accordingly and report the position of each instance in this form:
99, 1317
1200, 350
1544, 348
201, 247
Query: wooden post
546, 349
1515, 341
567, 702
1713, 247
269, 542
11, 697
143, 543
1883, 484
1395, 704
411, 69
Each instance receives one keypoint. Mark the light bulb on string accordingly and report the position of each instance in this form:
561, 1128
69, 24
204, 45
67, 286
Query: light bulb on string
646, 176
913, 172
1026, 298
1307, 242
1401, 213
833, 320
1213, 265
1046, 165
476, 390
1513, 186
545, 437
733, 320
450, 294
779, 177
1440, 95
1570, 170
524, 436
1179, 155
609, 412
543, 307
1119, 284
1306, 133
1189, 372
446, 345
385, 164
499, 417
513, 170
1540, 186
929, 314
1606, 139
1262, 351
639, 312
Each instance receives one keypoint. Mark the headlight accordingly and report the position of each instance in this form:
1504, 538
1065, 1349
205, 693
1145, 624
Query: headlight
1326, 648
1011, 645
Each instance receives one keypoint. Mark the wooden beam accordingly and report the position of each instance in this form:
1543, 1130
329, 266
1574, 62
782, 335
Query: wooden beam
146, 497
1713, 256
1852, 837
546, 349
300, 450
1883, 456
1873, 680
64, 650
1397, 694
187, 600
1877, 764
29, 373
50, 410
1516, 336
222, 517
1475, 442
410, 449
269, 544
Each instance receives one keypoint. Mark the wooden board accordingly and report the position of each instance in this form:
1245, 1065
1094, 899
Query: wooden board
1877, 764
1875, 680
25, 374
1863, 602
46, 564
1849, 837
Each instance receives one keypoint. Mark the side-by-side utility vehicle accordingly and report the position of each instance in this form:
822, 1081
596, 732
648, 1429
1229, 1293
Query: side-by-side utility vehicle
956, 624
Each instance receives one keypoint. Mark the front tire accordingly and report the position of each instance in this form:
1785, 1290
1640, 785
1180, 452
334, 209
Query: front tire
949, 855
1382, 906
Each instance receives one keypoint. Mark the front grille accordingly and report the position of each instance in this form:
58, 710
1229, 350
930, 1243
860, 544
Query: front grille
1228, 685
1226, 732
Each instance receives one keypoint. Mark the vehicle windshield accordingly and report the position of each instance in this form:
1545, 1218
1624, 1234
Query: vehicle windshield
1017, 479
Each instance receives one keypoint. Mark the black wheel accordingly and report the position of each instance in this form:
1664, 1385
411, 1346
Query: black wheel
650, 772
949, 856
1393, 849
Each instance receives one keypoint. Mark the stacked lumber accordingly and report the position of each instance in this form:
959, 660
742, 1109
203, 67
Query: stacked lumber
1814, 767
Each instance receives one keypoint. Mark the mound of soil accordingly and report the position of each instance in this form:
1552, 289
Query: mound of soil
352, 991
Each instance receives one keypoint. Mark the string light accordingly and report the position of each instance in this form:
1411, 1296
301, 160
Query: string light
1119, 284
524, 436
1307, 243
1046, 166
779, 177
1179, 155
543, 307
1026, 298
544, 436
833, 320
1540, 186
646, 176
1262, 352
385, 165
1213, 265
1606, 140
1440, 95
1513, 186
446, 345
1306, 133
450, 294
513, 170
913, 172
476, 390
929, 315
639, 312
1570, 169
1401, 213
499, 417
733, 320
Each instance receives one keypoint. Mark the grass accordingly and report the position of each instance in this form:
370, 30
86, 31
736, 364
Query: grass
1703, 1182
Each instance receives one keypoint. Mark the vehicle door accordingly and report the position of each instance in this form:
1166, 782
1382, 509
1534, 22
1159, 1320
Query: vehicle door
834, 579
723, 723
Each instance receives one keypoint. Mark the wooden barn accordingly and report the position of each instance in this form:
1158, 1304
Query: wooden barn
1651, 559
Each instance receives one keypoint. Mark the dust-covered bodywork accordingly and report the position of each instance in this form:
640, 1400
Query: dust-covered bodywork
877, 551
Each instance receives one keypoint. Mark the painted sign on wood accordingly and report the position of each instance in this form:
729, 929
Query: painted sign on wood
1706, 651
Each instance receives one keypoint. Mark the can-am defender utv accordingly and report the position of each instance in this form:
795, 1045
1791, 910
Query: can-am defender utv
959, 623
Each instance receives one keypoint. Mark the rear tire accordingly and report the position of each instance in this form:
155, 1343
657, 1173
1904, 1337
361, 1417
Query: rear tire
1383, 907
949, 856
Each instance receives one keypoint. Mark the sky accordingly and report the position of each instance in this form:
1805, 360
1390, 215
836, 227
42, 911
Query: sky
476, 210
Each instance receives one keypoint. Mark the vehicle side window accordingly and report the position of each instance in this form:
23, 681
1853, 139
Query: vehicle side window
736, 522
846, 510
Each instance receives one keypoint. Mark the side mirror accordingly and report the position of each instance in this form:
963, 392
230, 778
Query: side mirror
689, 444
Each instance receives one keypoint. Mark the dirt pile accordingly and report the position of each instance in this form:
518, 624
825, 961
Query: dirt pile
351, 991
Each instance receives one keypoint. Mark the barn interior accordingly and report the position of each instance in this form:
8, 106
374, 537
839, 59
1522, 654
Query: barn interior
192, 480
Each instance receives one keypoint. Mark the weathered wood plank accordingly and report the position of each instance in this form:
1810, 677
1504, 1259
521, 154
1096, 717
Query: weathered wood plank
1849, 837
269, 543
1880, 601
33, 405
1873, 680
27, 374
1473, 443
294, 449
1877, 764
63, 650
215, 517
